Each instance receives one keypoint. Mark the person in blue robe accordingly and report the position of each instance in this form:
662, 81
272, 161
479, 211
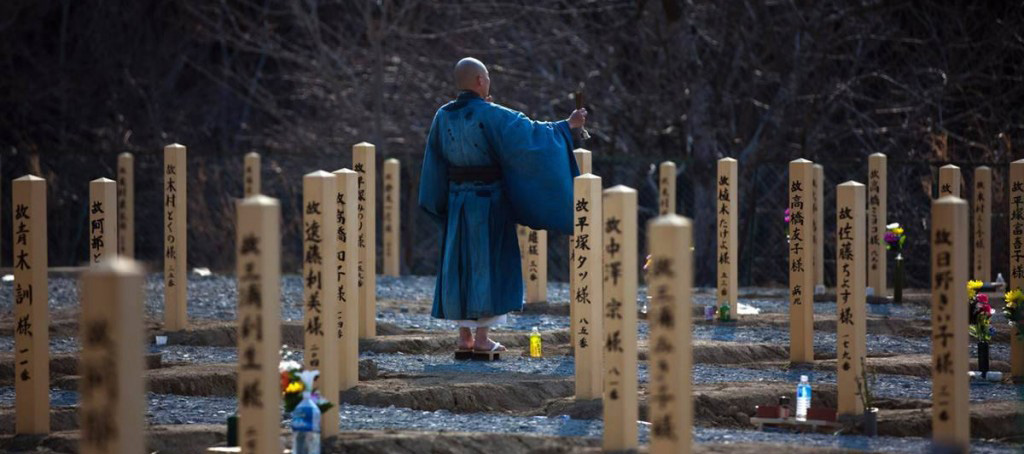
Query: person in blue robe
487, 168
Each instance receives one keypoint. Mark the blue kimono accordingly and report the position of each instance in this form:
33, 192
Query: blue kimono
480, 274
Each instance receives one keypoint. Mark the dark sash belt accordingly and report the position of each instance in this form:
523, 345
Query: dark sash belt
481, 174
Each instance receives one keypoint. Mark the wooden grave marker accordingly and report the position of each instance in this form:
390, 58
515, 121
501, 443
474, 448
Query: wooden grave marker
801, 259
126, 205
667, 188
348, 277
819, 228
671, 356
584, 161
586, 292
981, 211
877, 205
251, 178
1016, 244
851, 282
950, 392
620, 320
102, 220
364, 162
536, 262
949, 180
258, 243
175, 238
112, 393
392, 217
31, 317
319, 268
728, 233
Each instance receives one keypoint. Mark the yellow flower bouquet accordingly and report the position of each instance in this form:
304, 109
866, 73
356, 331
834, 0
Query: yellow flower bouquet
1012, 309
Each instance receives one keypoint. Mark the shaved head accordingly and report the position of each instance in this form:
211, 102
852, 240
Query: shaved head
471, 74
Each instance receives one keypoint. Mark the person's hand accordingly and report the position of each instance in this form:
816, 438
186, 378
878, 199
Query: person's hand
578, 118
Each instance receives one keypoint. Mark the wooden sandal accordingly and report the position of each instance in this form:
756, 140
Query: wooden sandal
463, 354
494, 354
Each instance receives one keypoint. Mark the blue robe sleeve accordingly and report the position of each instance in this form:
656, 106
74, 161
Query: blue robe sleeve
433, 197
537, 166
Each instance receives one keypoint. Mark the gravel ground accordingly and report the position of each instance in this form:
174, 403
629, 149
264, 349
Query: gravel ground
213, 297
823, 341
164, 409
891, 386
57, 344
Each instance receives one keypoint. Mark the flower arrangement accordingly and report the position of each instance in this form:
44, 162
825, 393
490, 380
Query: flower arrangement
894, 238
980, 313
1012, 310
972, 289
292, 387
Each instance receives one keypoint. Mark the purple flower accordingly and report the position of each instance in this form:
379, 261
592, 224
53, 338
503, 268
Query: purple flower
985, 309
891, 238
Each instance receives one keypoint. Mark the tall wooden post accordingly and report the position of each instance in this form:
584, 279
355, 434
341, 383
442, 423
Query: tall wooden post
112, 411
175, 238
348, 277
31, 296
877, 205
392, 217
536, 261
851, 328
320, 264
671, 357
951, 416
728, 232
102, 218
126, 205
258, 243
982, 213
583, 161
949, 180
586, 292
818, 185
364, 162
620, 280
801, 259
667, 188
1016, 211
251, 178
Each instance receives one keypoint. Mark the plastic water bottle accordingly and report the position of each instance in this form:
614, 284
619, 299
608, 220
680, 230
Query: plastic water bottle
999, 280
803, 398
535, 343
306, 421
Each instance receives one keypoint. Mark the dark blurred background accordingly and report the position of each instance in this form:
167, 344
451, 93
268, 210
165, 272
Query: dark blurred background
926, 82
